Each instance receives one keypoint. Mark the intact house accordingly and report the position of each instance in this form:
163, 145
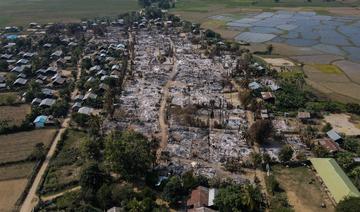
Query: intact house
47, 102
40, 121
20, 82
333, 135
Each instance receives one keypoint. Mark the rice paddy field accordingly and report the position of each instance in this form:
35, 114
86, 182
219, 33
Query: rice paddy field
18, 146
14, 115
22, 12
324, 39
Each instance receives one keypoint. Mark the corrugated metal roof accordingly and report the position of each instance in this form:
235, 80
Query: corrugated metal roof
334, 178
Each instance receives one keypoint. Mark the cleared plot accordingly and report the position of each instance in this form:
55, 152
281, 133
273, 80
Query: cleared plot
14, 115
16, 171
44, 11
10, 191
18, 146
302, 195
342, 124
64, 170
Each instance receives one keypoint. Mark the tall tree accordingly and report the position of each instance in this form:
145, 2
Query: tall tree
129, 153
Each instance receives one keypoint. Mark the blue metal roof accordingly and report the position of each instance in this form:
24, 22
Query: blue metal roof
40, 119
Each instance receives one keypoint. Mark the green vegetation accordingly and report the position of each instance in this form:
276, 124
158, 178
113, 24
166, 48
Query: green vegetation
129, 154
239, 198
64, 169
286, 153
209, 5
327, 68
350, 204
44, 11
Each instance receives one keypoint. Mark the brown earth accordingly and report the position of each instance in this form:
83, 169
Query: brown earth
10, 191
18, 146
14, 114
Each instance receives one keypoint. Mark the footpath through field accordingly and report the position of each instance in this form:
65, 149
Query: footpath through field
32, 199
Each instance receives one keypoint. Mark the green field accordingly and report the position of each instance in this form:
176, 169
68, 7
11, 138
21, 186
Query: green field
206, 5
21, 12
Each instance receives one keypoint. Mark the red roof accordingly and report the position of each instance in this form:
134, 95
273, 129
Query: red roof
199, 197
329, 145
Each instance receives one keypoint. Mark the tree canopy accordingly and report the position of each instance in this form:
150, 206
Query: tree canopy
129, 153
238, 198
349, 204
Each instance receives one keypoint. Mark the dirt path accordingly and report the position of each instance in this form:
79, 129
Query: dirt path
32, 199
164, 129
51, 197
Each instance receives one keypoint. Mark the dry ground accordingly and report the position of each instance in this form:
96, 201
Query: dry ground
13, 180
350, 69
18, 146
342, 124
10, 191
337, 86
302, 196
14, 114
16, 171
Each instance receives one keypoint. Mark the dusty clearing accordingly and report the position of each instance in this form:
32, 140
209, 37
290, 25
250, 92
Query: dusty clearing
302, 196
10, 191
14, 114
279, 62
18, 146
341, 124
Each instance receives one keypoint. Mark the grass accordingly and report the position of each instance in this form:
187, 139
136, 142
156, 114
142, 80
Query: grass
205, 5
14, 115
22, 12
18, 146
302, 194
65, 167
4, 97
327, 68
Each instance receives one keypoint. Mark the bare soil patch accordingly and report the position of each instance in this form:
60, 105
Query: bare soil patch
342, 124
14, 115
302, 195
279, 62
18, 146
10, 191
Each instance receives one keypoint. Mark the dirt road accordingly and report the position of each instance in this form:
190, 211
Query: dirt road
32, 199
162, 112
164, 129
51, 197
